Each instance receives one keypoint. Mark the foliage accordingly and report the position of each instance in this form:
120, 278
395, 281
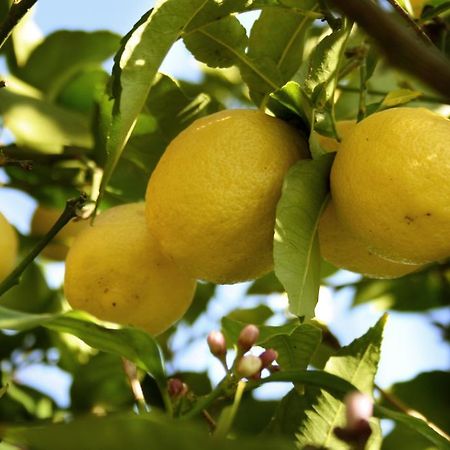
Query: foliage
84, 130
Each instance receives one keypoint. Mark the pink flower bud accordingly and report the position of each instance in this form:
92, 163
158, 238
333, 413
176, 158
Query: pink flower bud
176, 388
359, 408
248, 337
268, 357
249, 366
217, 344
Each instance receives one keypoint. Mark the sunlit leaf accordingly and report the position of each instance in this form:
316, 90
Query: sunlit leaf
296, 247
131, 343
358, 364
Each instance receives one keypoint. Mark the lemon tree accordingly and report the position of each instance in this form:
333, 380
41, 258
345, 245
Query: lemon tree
303, 150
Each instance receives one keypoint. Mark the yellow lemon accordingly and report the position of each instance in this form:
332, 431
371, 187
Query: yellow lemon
390, 184
211, 199
8, 247
330, 144
115, 271
43, 219
342, 249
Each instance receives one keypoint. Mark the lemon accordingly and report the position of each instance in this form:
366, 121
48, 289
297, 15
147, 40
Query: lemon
390, 184
8, 247
342, 249
43, 219
211, 200
330, 144
115, 271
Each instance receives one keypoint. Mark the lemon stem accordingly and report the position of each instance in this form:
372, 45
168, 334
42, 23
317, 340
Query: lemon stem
70, 211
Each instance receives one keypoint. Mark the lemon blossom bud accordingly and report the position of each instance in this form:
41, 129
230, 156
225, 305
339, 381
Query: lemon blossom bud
217, 344
268, 357
249, 366
359, 408
248, 337
176, 388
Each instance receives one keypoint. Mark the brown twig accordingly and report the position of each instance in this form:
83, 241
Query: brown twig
394, 401
18, 9
211, 422
400, 44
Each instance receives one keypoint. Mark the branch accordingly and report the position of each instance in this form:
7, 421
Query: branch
70, 211
136, 388
400, 44
18, 9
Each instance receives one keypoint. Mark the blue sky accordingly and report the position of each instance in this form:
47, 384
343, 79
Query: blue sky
411, 345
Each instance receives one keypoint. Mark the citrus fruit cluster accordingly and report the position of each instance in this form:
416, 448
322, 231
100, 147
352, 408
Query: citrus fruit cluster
210, 210
210, 207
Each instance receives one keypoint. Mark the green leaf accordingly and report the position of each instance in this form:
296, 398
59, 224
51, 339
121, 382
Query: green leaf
231, 329
65, 53
358, 364
217, 44
131, 343
414, 292
296, 247
399, 97
256, 316
19, 298
283, 51
268, 284
101, 382
403, 437
295, 350
41, 125
321, 78
424, 394
120, 431
413, 423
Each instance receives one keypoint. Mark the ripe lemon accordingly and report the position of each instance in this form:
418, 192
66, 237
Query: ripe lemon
43, 219
211, 199
115, 271
342, 249
390, 184
8, 247
330, 144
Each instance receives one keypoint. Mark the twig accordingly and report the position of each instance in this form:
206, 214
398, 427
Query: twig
399, 43
410, 21
394, 401
18, 9
131, 372
211, 422
70, 211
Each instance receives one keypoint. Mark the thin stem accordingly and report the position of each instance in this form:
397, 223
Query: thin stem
394, 401
131, 372
70, 211
225, 424
166, 400
211, 422
204, 402
399, 43
18, 9
410, 21
423, 97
